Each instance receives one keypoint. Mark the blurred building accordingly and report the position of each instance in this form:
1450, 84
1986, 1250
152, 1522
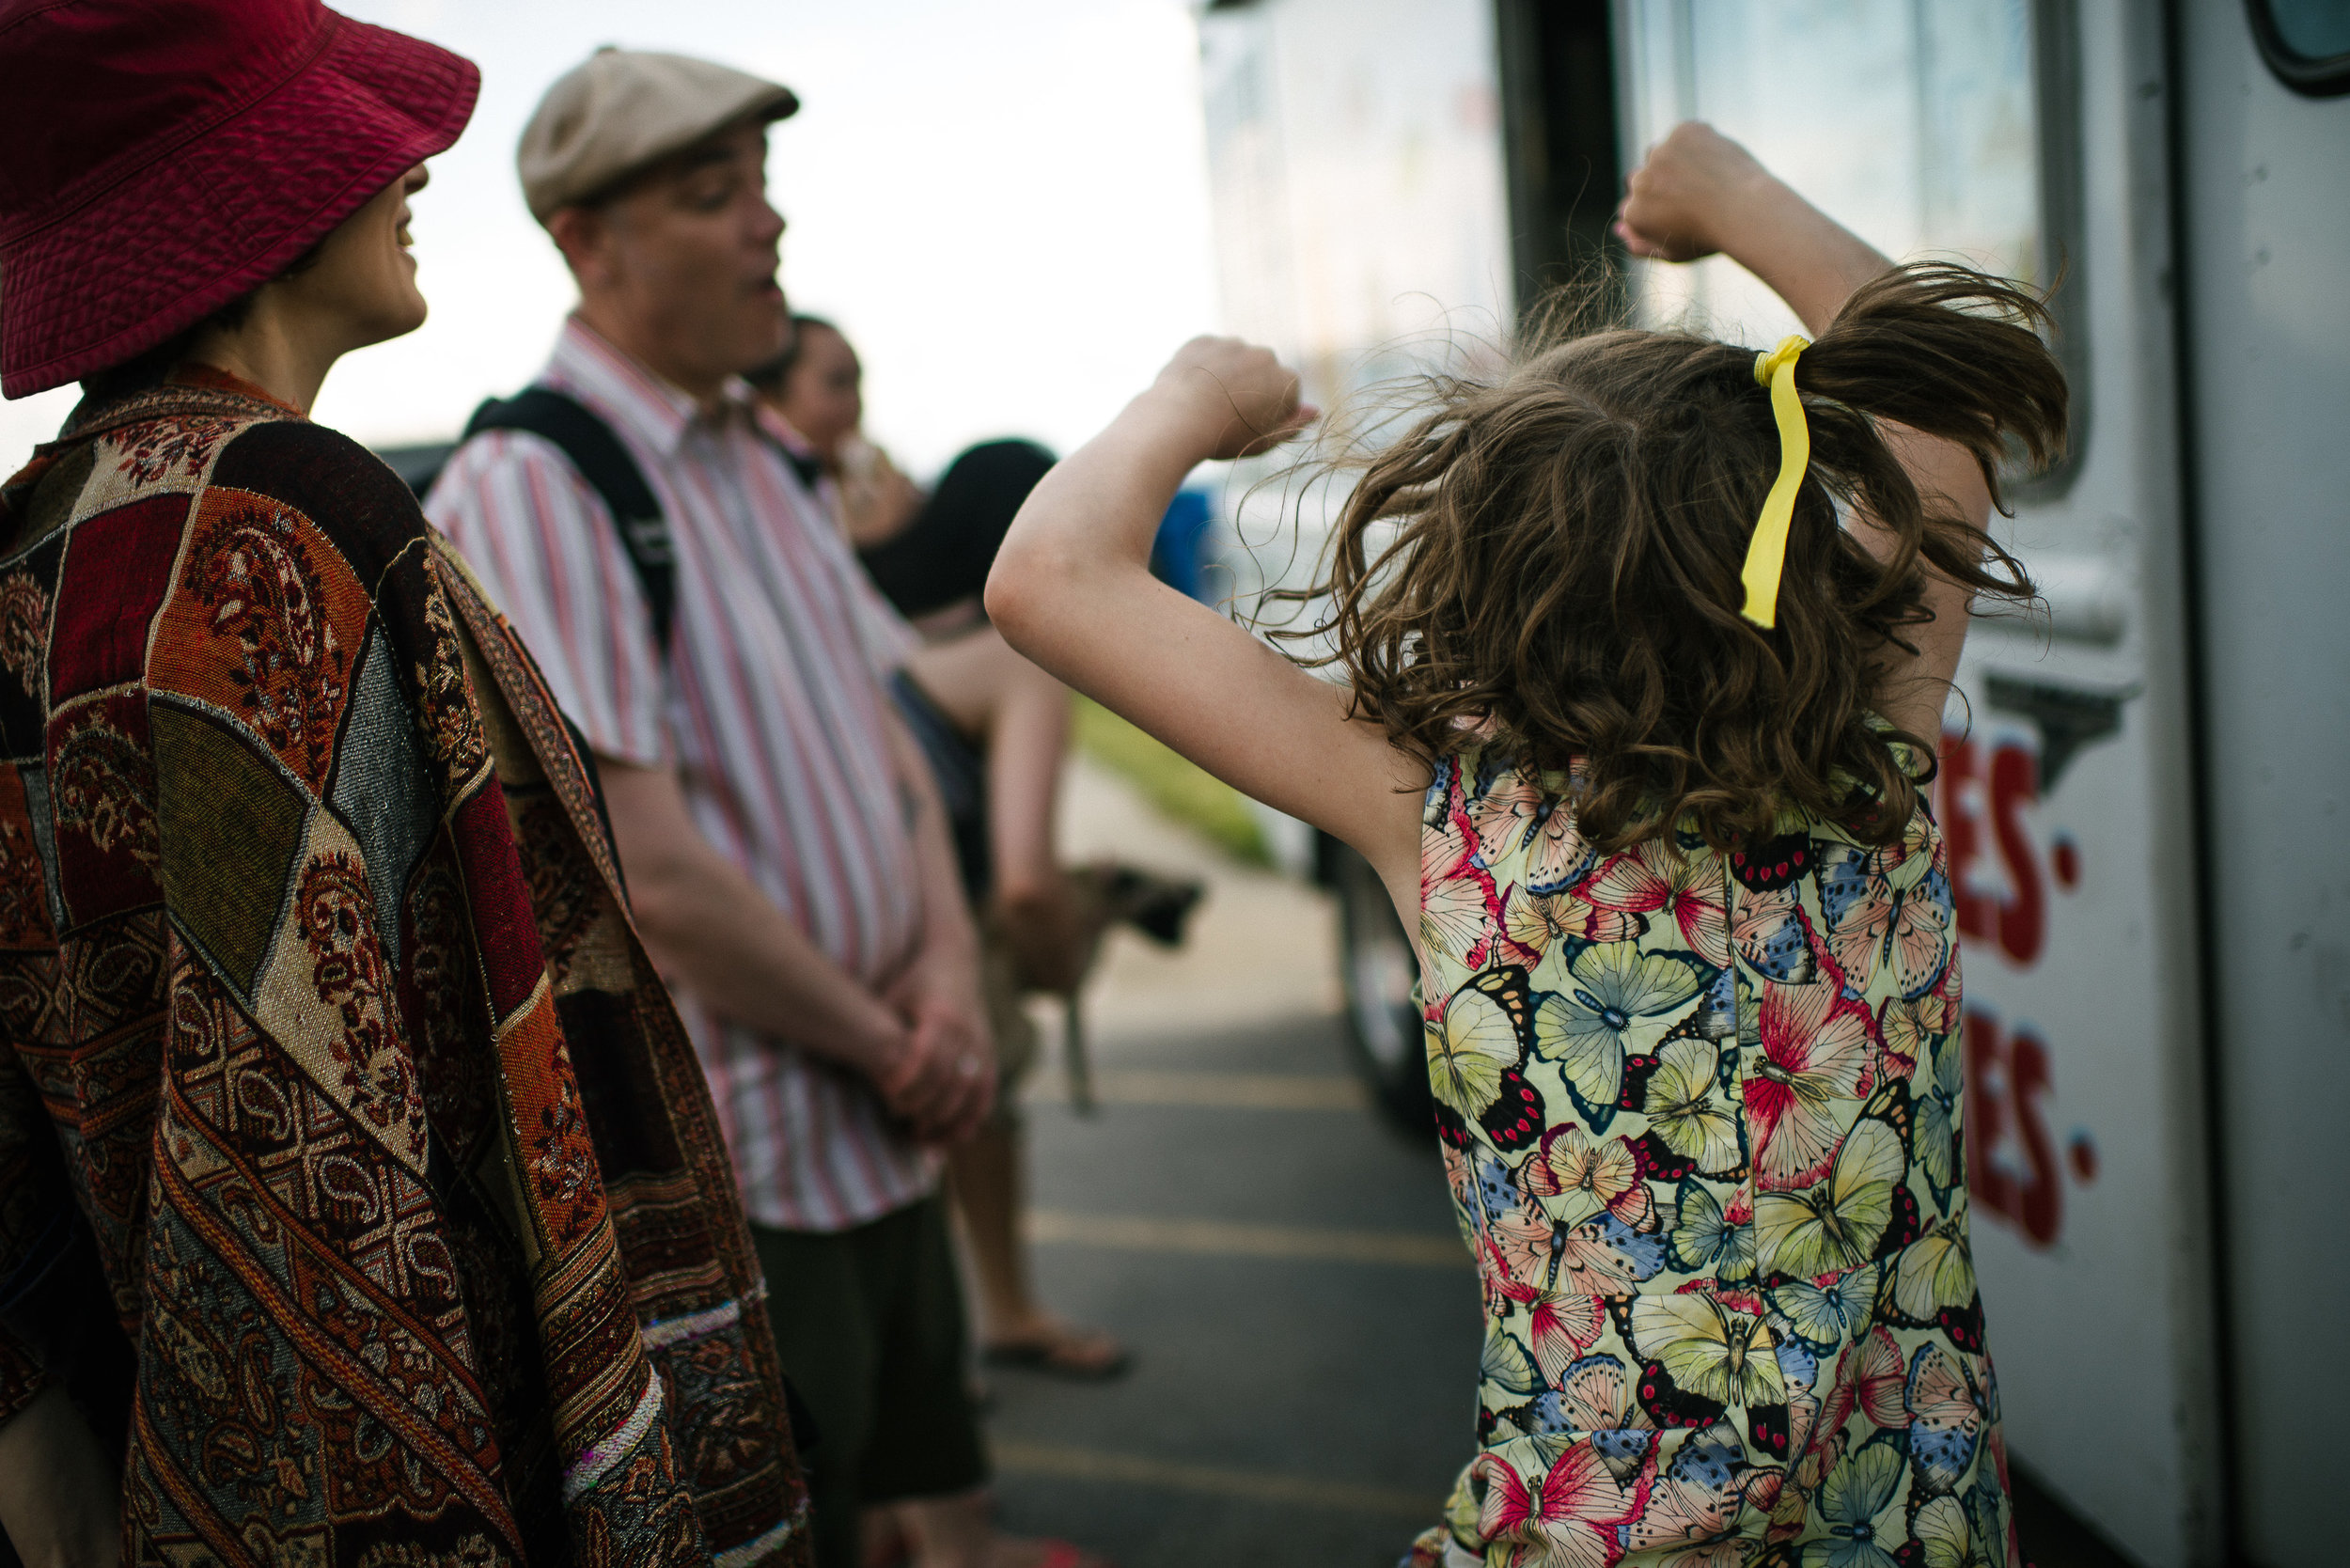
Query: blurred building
2144, 785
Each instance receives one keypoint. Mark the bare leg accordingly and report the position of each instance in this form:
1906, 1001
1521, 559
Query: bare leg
60, 1498
882, 1539
1019, 717
986, 1175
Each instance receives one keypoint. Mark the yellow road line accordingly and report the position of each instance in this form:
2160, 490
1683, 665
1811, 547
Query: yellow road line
1320, 1091
1016, 1457
1291, 1243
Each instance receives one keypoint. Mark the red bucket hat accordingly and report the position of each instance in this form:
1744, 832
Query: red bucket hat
164, 156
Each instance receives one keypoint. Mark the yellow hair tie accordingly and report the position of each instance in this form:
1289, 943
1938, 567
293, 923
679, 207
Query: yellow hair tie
1766, 553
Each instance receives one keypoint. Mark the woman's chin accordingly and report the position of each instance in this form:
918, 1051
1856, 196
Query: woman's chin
398, 319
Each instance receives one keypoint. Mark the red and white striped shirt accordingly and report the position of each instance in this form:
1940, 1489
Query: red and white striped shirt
772, 708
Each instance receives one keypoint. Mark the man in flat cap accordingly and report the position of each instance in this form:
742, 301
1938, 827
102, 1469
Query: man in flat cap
787, 863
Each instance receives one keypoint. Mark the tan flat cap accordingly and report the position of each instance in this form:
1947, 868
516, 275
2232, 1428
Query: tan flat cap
626, 108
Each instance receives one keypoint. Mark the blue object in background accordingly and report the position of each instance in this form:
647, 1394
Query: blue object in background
1179, 556
2313, 29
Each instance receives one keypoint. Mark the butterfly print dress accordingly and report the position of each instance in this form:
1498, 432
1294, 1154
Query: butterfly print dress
1701, 1120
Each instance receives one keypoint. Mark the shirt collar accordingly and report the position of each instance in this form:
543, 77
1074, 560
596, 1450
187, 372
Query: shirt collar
632, 396
779, 430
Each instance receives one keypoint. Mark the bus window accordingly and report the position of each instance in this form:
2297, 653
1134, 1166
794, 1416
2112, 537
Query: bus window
2306, 42
1922, 125
1913, 124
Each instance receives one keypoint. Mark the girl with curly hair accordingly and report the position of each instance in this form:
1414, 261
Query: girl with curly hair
1645, 644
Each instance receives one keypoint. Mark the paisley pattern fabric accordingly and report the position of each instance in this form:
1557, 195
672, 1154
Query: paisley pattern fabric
1701, 1118
356, 1177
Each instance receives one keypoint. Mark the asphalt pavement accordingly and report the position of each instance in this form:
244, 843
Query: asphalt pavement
1283, 1265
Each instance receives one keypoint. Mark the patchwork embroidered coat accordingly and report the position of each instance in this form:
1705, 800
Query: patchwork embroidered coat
354, 1171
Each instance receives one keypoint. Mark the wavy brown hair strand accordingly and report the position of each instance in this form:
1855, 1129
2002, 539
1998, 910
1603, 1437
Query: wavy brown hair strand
1564, 577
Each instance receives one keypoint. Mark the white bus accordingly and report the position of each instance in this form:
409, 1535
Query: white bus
2146, 790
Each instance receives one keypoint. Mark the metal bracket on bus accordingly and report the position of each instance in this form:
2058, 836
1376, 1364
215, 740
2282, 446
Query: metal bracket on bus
2068, 718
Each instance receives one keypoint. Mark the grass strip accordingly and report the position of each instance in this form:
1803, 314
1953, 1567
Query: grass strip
1179, 788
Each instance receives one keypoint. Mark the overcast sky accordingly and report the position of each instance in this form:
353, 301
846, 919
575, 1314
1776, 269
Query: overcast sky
1004, 206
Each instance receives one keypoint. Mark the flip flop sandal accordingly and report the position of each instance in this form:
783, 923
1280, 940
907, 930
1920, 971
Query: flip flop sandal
1052, 1358
1063, 1554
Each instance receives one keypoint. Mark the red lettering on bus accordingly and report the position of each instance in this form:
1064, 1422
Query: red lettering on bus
2024, 913
2040, 1207
2018, 921
1986, 1115
1961, 833
2007, 1081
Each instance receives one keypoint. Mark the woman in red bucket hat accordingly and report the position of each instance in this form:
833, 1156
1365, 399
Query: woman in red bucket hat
360, 1199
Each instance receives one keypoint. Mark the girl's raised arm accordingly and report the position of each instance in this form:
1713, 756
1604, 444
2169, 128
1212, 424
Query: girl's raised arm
1072, 590
1697, 192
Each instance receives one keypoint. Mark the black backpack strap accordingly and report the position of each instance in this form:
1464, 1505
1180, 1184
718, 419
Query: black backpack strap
604, 463
809, 469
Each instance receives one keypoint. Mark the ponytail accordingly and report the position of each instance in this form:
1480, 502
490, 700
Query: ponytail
1554, 558
1949, 352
